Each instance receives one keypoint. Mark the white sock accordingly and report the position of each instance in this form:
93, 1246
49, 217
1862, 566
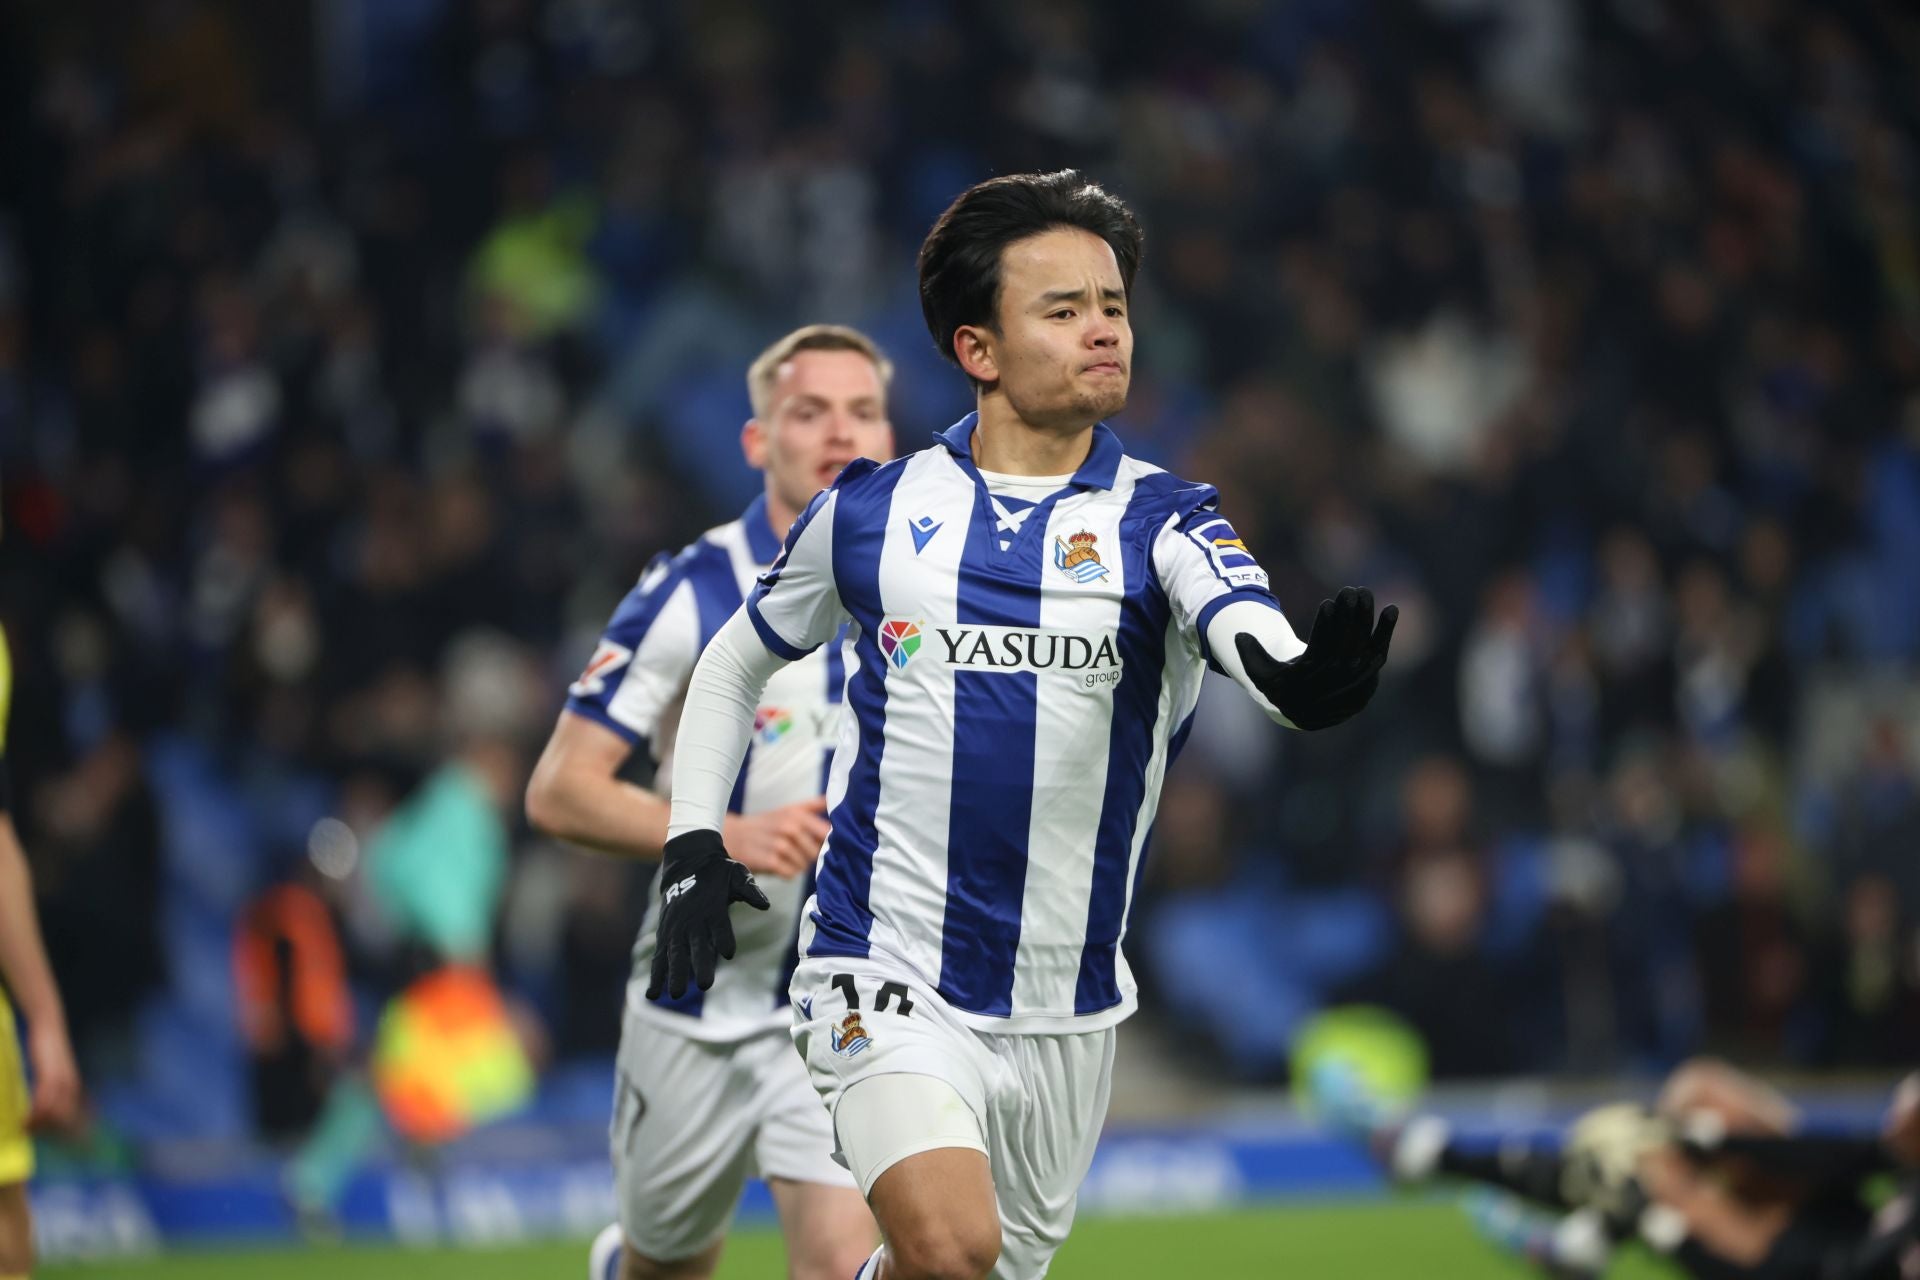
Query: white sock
1663, 1227
603, 1259
1581, 1241
871, 1271
1417, 1154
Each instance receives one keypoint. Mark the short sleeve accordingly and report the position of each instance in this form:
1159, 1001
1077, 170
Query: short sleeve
644, 657
1203, 566
795, 608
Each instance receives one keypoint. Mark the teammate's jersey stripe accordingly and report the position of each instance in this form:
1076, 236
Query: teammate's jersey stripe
991, 808
652, 641
763, 540
843, 913
716, 590
711, 576
1130, 743
715, 587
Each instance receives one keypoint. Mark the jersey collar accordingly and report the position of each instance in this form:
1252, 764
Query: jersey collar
1099, 471
763, 540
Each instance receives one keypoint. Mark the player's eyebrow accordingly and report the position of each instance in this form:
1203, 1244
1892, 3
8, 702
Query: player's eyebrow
1052, 296
814, 400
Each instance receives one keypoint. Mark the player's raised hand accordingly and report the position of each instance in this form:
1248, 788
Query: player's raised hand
698, 885
779, 842
1340, 669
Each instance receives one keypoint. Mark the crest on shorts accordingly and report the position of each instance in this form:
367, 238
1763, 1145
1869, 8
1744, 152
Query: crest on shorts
849, 1038
1077, 558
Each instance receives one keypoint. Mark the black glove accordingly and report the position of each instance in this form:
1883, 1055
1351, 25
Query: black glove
698, 883
1338, 673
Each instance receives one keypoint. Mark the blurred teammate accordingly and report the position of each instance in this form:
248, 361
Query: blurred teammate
1033, 611
55, 1100
709, 1088
1720, 1175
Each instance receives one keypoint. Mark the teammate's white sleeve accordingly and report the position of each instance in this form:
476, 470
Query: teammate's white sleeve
1218, 590
644, 656
716, 720
1267, 625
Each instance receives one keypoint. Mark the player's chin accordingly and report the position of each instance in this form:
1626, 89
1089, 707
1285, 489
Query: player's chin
1102, 401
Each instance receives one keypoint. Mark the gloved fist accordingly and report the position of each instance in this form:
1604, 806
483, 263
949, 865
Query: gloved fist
698, 885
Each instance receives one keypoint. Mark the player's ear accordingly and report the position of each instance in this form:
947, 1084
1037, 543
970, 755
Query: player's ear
973, 348
753, 443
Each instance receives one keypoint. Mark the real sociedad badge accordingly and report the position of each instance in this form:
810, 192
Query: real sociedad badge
849, 1038
1076, 557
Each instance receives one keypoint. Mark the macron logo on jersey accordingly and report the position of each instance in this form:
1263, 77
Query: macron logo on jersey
606, 660
923, 530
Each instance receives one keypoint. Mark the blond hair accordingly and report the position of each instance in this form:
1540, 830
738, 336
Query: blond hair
765, 369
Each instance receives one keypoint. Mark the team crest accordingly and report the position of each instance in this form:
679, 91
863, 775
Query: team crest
899, 641
849, 1038
1077, 558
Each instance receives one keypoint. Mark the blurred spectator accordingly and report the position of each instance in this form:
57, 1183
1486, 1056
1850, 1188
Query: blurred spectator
1872, 997
97, 873
1472, 1006
294, 1005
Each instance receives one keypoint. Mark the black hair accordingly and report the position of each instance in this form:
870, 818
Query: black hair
960, 260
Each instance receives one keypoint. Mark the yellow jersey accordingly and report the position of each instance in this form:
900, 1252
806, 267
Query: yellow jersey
16, 1149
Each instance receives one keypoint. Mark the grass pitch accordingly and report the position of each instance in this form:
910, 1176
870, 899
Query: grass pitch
1388, 1240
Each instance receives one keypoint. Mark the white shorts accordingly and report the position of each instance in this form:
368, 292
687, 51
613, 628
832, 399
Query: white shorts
692, 1121
1038, 1100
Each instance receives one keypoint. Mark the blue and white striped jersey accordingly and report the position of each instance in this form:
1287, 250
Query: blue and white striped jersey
633, 685
1016, 704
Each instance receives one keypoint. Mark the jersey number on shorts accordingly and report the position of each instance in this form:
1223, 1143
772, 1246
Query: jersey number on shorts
889, 992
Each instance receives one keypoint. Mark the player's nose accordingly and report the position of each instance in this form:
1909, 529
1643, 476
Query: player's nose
1102, 332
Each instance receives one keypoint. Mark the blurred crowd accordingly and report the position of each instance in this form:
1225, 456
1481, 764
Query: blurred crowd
355, 358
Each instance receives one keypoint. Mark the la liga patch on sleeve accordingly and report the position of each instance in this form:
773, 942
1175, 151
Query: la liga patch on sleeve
1229, 553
